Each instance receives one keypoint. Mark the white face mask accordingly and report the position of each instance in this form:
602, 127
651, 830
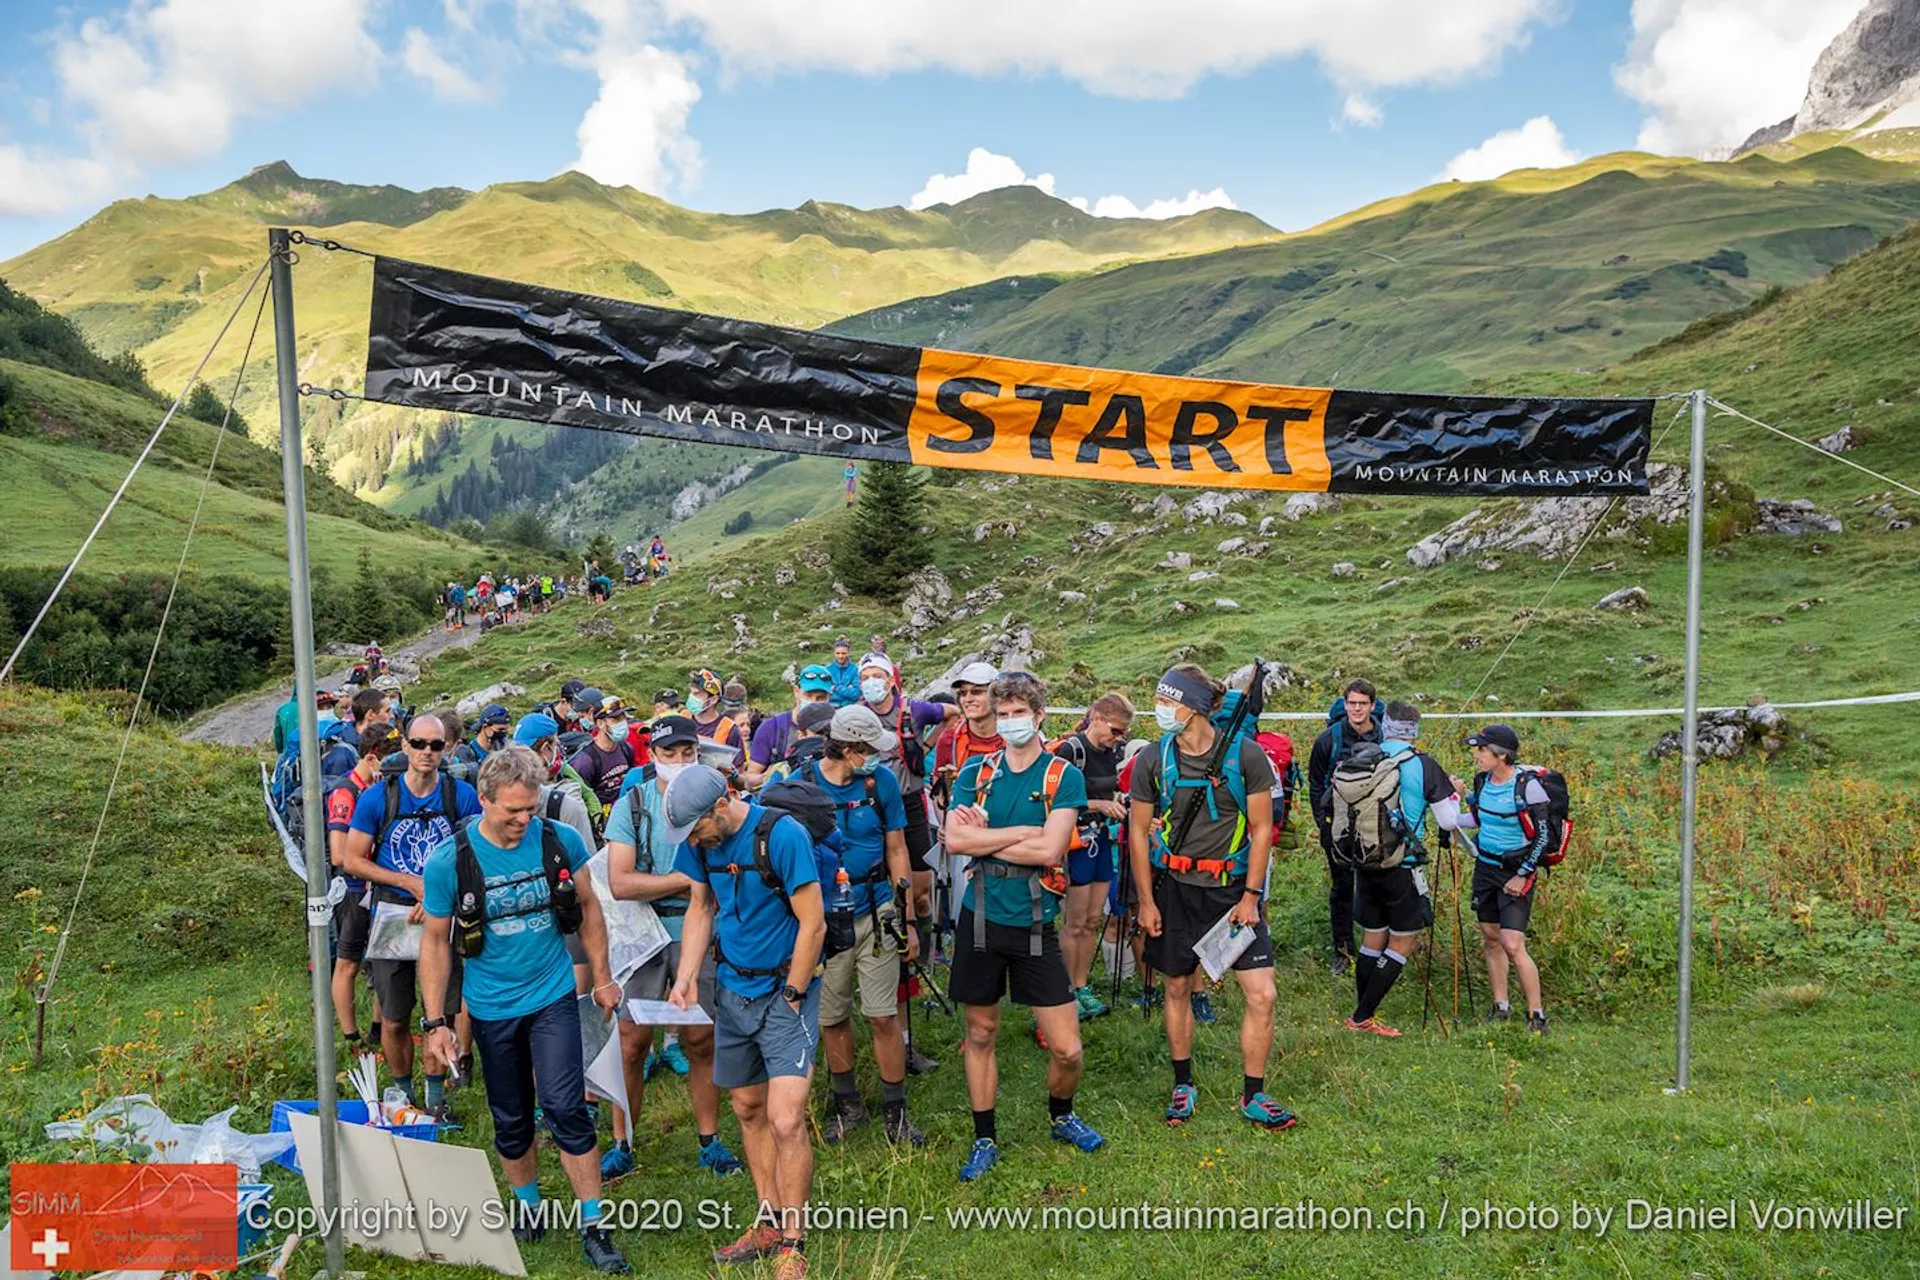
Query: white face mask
1017, 730
1168, 718
874, 690
667, 772
327, 714
616, 729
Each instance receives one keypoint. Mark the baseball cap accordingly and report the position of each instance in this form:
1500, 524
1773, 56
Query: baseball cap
495, 714
674, 731
325, 697
587, 699
535, 728
814, 717
387, 684
666, 697
1496, 735
735, 694
976, 673
571, 690
815, 678
704, 680
689, 798
859, 724
609, 708
877, 660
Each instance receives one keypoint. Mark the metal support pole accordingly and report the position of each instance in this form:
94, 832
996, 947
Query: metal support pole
1690, 735
293, 478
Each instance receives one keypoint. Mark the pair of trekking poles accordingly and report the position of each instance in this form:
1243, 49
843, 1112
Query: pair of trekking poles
1462, 971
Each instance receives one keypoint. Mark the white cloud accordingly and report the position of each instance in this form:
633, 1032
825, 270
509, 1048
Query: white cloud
1127, 48
1710, 72
986, 171
990, 171
635, 133
1362, 110
35, 183
419, 54
1537, 144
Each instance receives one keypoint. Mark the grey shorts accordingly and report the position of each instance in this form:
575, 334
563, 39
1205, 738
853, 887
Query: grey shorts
757, 1039
654, 979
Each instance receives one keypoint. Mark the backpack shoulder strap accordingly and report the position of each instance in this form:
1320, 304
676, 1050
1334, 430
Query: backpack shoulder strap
1056, 770
391, 815
555, 798
763, 852
450, 799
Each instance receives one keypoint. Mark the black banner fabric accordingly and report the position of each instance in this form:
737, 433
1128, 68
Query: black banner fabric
454, 342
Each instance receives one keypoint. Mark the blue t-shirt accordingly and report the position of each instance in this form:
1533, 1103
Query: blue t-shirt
1501, 835
1423, 784
771, 739
754, 925
1017, 800
652, 855
864, 830
524, 966
419, 828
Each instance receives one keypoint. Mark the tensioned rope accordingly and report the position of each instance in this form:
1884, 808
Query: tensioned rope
153, 656
26, 637
1612, 713
1598, 524
1808, 444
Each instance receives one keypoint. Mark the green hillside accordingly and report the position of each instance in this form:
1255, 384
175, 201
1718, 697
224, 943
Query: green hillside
156, 276
1564, 269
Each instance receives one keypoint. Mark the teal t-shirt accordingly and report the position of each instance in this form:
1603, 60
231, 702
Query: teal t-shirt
652, 853
1017, 800
524, 966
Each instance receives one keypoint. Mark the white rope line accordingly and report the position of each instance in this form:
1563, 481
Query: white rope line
27, 636
1495, 714
153, 656
1565, 569
1808, 444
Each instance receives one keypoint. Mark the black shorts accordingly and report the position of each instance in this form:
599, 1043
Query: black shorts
394, 982
1187, 911
1492, 904
1008, 967
919, 832
352, 921
1395, 900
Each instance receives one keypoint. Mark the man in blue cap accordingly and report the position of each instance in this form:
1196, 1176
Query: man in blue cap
774, 737
767, 943
489, 735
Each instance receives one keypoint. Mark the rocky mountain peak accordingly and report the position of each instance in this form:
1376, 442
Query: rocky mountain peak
1872, 66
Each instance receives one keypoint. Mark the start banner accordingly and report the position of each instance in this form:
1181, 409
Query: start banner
455, 342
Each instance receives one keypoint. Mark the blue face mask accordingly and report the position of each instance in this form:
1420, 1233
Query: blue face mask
866, 768
1168, 718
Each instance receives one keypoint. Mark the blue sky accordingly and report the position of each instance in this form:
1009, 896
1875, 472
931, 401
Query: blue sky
1295, 110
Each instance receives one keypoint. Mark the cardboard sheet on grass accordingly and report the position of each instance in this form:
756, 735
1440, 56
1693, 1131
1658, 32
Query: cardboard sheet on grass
444, 1184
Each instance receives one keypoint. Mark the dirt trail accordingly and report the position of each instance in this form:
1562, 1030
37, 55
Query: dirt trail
250, 721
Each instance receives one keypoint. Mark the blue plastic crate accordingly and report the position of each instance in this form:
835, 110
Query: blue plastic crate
252, 1238
350, 1112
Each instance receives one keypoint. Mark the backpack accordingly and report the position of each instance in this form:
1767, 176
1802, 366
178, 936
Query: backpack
1559, 809
1279, 749
470, 891
288, 797
1171, 783
392, 817
1367, 830
643, 838
818, 816
1052, 879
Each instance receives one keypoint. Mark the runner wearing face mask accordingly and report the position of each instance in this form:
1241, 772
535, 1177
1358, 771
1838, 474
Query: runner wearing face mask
709, 719
607, 757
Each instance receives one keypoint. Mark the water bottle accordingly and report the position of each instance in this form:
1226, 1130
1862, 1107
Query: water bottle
840, 918
842, 892
566, 902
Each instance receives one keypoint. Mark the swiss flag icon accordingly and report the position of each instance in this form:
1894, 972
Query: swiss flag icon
86, 1217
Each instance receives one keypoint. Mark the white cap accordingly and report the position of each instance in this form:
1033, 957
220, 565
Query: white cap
976, 673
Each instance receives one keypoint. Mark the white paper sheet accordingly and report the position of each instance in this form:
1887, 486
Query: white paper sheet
391, 937
664, 1013
1221, 945
634, 932
606, 1072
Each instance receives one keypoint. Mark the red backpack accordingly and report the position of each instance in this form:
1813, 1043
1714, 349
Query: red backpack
1279, 749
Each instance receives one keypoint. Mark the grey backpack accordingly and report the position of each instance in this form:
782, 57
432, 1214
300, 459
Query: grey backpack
1366, 793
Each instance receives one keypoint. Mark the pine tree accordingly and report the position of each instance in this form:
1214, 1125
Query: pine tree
367, 611
600, 550
882, 544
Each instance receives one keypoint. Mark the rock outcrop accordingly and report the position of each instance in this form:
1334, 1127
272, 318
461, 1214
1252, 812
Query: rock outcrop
1872, 66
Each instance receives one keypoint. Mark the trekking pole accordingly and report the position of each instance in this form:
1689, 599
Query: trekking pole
1453, 868
1473, 1010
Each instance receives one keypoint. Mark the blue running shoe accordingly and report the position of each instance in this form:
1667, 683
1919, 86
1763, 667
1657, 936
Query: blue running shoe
1267, 1113
985, 1155
1180, 1110
616, 1162
1071, 1128
1203, 1008
676, 1059
717, 1160
653, 1065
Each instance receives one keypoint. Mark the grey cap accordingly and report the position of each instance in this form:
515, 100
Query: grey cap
976, 673
859, 724
814, 717
690, 797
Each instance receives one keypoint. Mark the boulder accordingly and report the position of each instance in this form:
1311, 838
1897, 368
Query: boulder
1631, 598
1073, 597
1301, 505
1211, 505
1842, 441
1553, 528
1202, 575
1179, 561
1221, 602
928, 597
1725, 735
815, 557
480, 699
1792, 519
784, 576
1099, 532
595, 628
1230, 545
1345, 569
1234, 518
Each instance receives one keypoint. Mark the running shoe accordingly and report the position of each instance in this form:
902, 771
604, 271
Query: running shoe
789, 1264
758, 1242
902, 1130
918, 1063
529, 1225
1091, 1005
1148, 1000
1537, 1023
676, 1059
1500, 1013
1203, 1008
1180, 1110
1071, 1128
596, 1244
717, 1160
1374, 1025
1267, 1113
847, 1116
617, 1162
653, 1065
985, 1155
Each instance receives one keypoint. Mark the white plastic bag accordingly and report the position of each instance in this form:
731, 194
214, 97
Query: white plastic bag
134, 1121
1221, 945
391, 936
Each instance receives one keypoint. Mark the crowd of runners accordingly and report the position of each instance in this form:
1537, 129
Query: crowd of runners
855, 854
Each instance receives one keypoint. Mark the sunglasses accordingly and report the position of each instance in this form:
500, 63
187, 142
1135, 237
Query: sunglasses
427, 744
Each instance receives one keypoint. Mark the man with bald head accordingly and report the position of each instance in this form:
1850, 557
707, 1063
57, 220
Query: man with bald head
396, 824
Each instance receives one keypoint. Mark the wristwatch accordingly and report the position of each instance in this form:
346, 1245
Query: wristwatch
791, 995
1255, 892
432, 1024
